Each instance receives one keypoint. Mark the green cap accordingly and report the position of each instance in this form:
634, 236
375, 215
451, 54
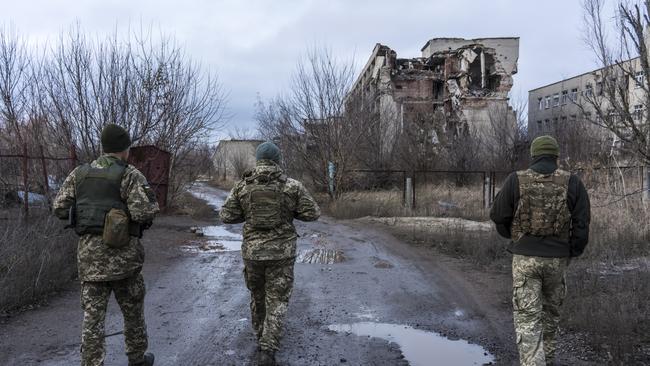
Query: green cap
115, 139
544, 145
268, 151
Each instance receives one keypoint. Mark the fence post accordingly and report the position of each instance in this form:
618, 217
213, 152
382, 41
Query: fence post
46, 180
409, 193
645, 183
73, 157
487, 187
25, 181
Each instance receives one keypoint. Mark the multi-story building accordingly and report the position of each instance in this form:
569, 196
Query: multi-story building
571, 102
456, 80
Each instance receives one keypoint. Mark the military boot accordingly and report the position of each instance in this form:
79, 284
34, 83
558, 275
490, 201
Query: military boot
147, 361
266, 358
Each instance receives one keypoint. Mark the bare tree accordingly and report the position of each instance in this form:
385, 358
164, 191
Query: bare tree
620, 99
504, 139
311, 122
59, 97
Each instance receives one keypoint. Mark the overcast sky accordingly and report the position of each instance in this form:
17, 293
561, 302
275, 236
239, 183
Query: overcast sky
253, 45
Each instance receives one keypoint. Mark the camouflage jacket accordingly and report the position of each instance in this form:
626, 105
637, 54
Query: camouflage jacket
279, 242
95, 260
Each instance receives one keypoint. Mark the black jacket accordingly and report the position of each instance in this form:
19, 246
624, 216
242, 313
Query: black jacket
505, 204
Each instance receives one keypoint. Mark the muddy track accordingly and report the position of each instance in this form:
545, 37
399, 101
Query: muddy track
369, 303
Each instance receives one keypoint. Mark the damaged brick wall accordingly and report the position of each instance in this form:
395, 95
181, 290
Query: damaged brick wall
456, 79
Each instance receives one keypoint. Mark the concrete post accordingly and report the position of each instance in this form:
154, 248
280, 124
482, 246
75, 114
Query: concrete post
482, 69
487, 191
408, 201
645, 172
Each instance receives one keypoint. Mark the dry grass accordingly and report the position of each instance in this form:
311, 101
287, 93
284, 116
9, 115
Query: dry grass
609, 286
194, 207
35, 259
444, 200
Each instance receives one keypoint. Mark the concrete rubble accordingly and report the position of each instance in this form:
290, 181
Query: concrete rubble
456, 80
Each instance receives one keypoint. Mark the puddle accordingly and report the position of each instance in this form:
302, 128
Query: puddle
219, 240
420, 348
321, 256
220, 232
212, 196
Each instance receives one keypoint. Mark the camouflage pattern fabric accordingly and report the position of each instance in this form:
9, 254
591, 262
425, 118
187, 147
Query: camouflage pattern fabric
129, 293
270, 284
542, 209
539, 288
279, 242
97, 261
103, 269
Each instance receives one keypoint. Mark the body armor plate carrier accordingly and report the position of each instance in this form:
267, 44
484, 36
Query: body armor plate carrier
542, 209
264, 194
97, 191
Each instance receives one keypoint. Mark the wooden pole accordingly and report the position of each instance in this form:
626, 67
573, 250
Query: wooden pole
46, 180
25, 181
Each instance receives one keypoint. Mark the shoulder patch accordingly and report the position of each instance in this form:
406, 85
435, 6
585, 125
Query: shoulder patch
151, 195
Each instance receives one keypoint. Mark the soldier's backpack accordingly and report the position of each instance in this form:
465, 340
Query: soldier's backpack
264, 200
542, 209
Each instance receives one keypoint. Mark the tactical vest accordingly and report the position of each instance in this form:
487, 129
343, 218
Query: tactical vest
542, 209
97, 191
264, 200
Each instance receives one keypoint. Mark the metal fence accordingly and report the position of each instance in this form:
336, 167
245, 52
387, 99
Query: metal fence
471, 193
28, 176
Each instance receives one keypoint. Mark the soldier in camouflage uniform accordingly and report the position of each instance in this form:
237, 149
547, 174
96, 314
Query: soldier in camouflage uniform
268, 202
86, 197
545, 211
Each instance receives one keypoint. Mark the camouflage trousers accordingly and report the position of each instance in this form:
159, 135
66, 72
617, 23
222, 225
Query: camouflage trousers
129, 294
539, 289
270, 283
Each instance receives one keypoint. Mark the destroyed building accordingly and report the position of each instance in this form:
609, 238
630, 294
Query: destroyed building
456, 81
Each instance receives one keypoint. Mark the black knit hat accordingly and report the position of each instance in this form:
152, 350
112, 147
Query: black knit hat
115, 139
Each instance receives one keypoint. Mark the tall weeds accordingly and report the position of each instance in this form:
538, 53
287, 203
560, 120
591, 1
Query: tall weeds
36, 257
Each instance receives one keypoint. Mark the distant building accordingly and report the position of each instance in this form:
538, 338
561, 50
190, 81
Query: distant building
554, 107
458, 80
234, 157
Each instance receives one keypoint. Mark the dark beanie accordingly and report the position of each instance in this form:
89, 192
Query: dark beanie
268, 151
115, 139
544, 145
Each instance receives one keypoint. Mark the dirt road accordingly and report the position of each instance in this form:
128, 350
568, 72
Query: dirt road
361, 297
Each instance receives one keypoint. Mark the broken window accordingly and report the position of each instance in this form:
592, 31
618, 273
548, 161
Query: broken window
540, 104
438, 89
556, 100
547, 102
565, 96
589, 91
493, 82
639, 77
574, 95
476, 74
638, 112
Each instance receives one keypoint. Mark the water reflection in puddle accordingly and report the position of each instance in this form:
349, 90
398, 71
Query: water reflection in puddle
219, 240
420, 348
220, 232
321, 256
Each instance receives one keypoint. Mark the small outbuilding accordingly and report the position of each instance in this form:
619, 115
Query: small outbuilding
234, 157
